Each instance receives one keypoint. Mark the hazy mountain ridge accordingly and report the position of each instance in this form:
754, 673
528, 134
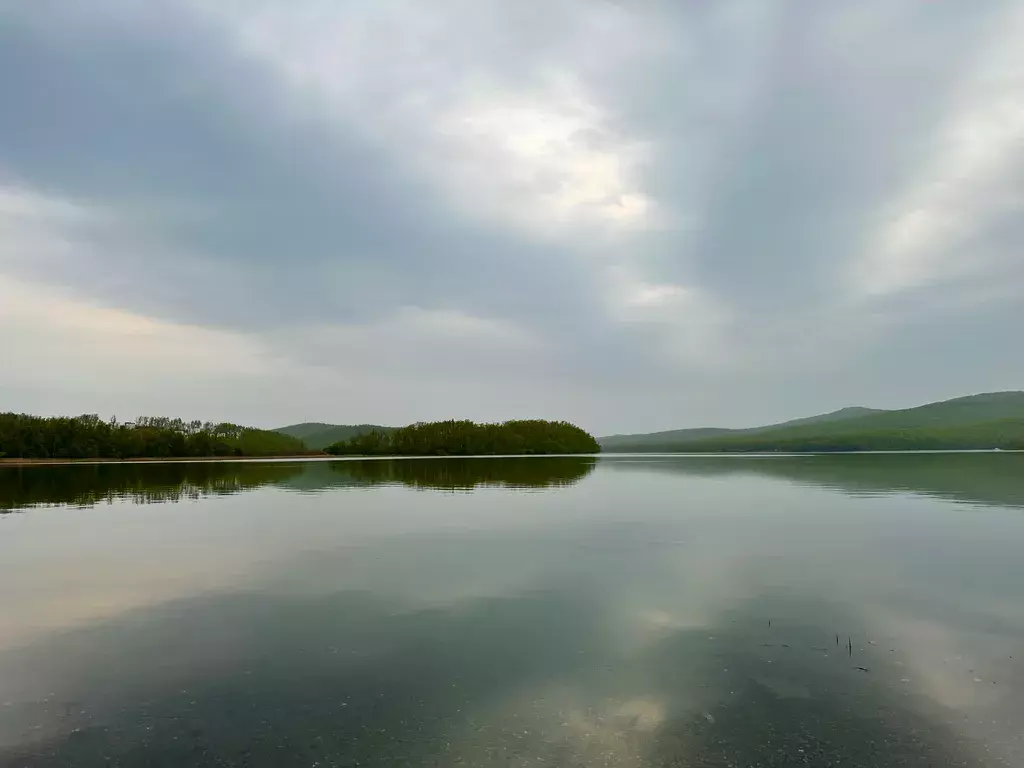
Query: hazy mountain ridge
304, 430
611, 442
317, 435
990, 420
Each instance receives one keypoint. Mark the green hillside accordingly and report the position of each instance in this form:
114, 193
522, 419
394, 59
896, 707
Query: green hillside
843, 414
654, 440
318, 436
993, 420
1006, 434
304, 430
658, 440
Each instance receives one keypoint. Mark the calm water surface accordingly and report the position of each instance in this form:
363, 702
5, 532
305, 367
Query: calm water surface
628, 611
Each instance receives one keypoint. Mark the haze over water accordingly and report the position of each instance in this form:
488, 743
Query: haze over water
622, 611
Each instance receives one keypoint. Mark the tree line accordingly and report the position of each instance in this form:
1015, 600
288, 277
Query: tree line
90, 437
467, 438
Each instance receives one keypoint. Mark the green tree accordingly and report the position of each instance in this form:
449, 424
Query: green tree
466, 438
89, 437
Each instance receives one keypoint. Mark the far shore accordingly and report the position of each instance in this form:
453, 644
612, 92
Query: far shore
15, 462
11, 462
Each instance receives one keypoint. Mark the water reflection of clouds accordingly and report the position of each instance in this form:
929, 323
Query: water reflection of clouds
529, 678
645, 607
562, 724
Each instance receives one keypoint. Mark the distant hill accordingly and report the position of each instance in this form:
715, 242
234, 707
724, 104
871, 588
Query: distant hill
304, 430
852, 412
992, 420
318, 436
653, 440
656, 440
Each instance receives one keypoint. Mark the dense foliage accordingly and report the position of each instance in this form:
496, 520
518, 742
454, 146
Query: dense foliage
466, 438
90, 437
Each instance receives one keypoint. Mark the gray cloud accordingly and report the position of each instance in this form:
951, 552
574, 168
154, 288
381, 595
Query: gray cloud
633, 215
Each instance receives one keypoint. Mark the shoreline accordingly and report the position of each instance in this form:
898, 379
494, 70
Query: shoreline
16, 462
12, 462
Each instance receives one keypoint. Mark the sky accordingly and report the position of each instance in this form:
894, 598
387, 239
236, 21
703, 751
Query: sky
631, 214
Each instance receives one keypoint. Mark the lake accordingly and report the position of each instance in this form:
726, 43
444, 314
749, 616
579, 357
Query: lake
856, 610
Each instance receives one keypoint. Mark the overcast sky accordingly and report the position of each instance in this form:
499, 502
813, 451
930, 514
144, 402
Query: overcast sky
634, 215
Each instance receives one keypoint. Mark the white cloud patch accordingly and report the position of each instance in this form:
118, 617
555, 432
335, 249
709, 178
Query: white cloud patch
969, 182
412, 340
60, 342
690, 327
550, 159
529, 145
73, 352
37, 230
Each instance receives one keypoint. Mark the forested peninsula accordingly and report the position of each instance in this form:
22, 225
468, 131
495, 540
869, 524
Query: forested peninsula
35, 438
90, 437
467, 438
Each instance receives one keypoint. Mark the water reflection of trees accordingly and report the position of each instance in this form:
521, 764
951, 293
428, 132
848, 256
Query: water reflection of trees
84, 485
469, 473
976, 478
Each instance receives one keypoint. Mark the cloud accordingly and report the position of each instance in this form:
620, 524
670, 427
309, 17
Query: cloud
649, 214
690, 326
84, 351
68, 355
939, 228
515, 140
